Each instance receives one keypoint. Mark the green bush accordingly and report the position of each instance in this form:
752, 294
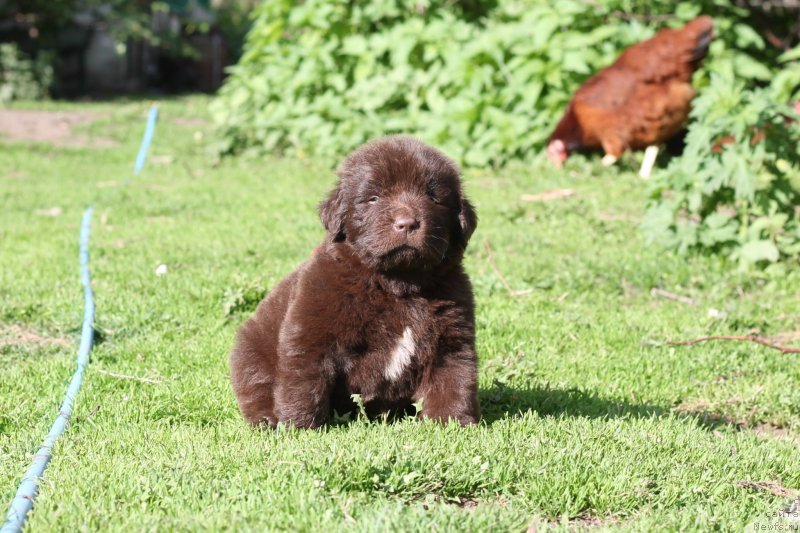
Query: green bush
736, 189
485, 81
22, 78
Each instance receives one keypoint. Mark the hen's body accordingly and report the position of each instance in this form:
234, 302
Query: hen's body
641, 100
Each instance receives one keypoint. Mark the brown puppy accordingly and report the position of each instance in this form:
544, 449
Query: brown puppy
383, 307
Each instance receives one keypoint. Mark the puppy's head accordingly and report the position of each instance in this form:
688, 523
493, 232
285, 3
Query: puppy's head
400, 205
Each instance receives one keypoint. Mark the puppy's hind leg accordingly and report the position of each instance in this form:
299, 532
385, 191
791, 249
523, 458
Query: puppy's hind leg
253, 377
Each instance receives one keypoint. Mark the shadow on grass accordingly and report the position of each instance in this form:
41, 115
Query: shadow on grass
501, 401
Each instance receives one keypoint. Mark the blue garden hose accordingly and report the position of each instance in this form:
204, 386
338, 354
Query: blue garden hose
28, 488
26, 493
141, 157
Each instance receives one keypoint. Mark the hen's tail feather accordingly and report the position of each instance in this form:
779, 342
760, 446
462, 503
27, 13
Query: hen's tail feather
700, 49
700, 32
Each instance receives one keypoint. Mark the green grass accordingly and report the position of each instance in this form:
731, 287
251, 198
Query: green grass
589, 419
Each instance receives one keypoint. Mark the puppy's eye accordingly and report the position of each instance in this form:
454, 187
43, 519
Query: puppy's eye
434, 199
372, 199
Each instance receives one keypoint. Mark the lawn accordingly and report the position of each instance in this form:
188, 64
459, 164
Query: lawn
590, 420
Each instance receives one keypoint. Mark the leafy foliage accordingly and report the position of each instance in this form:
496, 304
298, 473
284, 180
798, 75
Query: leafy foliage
737, 187
785, 85
233, 17
45, 20
41, 25
22, 77
485, 82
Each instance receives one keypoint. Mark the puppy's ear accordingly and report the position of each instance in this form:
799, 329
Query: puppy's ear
332, 211
467, 219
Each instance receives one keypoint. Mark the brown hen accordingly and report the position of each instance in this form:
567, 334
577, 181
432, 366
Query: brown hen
640, 101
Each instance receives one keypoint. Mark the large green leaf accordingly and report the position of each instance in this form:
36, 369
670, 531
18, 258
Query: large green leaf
755, 251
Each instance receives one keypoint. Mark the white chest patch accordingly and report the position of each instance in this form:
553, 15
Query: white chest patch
401, 356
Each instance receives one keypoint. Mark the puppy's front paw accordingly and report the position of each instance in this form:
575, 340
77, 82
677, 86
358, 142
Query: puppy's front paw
307, 414
463, 419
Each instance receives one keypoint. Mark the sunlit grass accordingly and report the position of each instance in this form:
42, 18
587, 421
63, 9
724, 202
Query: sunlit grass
589, 419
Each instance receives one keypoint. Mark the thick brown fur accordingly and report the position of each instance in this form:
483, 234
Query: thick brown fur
383, 307
642, 99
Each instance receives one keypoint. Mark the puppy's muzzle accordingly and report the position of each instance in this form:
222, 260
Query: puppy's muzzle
405, 215
405, 224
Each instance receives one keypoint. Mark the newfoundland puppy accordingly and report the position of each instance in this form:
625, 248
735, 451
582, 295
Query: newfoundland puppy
382, 309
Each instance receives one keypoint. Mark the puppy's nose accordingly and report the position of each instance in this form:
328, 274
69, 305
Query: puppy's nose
405, 224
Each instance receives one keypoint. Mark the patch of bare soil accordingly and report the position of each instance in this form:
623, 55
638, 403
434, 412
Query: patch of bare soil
576, 524
15, 335
53, 127
699, 407
775, 432
16, 175
468, 504
49, 212
774, 487
788, 336
548, 196
704, 410
191, 122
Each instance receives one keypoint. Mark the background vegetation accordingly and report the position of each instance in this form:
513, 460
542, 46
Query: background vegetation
739, 198
50, 40
322, 77
487, 81
23, 78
